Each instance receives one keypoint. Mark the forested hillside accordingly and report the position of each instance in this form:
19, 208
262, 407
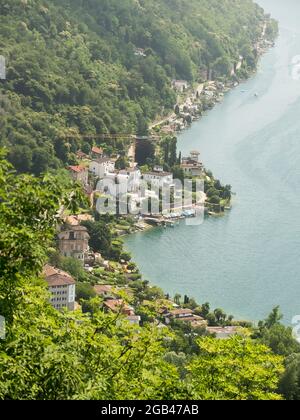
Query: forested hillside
47, 354
73, 66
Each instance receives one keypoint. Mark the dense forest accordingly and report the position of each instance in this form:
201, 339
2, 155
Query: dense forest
105, 66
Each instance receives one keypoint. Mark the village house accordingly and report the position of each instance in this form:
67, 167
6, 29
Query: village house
91, 259
62, 288
140, 52
79, 174
75, 220
185, 315
158, 178
222, 332
191, 165
97, 152
127, 180
119, 306
180, 85
192, 169
105, 291
73, 241
102, 166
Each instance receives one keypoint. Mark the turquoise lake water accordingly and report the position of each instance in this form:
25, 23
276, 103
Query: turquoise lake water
248, 261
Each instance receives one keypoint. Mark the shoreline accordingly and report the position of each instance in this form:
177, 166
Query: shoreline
265, 46
210, 92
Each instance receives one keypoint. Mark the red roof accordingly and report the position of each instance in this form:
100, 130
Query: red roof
118, 305
97, 150
60, 280
77, 169
56, 277
100, 289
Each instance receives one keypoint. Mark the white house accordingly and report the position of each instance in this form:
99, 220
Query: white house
185, 315
180, 85
159, 178
62, 288
140, 52
223, 332
100, 167
127, 180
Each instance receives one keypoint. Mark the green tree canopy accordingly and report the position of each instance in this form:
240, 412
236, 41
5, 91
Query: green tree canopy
234, 369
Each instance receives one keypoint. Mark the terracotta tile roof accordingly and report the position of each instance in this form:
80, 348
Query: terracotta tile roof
97, 150
77, 169
56, 277
118, 305
49, 270
60, 280
100, 289
74, 220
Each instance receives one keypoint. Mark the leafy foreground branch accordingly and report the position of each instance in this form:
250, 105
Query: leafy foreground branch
51, 355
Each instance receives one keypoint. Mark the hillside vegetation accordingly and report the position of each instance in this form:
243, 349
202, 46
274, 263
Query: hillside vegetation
51, 355
73, 66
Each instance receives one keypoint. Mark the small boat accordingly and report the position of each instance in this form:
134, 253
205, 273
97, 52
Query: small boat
189, 213
256, 94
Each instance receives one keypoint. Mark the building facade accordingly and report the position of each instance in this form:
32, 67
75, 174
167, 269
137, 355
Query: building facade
62, 288
191, 165
159, 178
180, 85
100, 167
73, 241
97, 152
126, 180
79, 174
